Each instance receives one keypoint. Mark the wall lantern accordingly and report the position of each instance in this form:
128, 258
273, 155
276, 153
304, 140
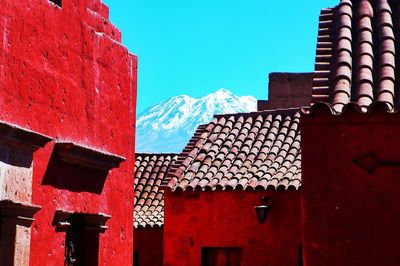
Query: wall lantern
262, 210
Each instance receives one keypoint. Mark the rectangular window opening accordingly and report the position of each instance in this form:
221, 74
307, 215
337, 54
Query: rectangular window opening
136, 258
82, 244
57, 2
218, 256
300, 251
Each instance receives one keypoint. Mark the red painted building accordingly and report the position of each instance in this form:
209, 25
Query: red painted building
350, 154
226, 170
67, 101
222, 174
346, 211
221, 228
150, 171
350, 187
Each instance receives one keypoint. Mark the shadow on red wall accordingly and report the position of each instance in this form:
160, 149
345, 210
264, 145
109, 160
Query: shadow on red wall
62, 175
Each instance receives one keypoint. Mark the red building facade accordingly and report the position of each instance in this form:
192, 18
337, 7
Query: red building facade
350, 198
224, 172
222, 228
349, 161
345, 213
349, 144
67, 167
150, 172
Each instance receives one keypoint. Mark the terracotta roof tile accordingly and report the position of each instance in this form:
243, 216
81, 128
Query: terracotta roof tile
357, 47
150, 170
242, 151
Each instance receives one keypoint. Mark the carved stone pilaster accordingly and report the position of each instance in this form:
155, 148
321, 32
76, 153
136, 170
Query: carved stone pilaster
15, 230
17, 146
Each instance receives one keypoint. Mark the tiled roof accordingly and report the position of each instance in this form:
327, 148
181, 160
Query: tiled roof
150, 170
257, 150
356, 55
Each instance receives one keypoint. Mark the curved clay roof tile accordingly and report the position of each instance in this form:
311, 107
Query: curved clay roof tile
236, 160
373, 25
365, 9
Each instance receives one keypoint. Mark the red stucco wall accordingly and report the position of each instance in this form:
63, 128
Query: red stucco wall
227, 219
350, 216
64, 73
149, 246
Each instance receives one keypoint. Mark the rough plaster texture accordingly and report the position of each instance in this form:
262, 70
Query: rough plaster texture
228, 219
349, 215
287, 90
64, 73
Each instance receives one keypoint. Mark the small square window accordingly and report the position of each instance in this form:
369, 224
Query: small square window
57, 2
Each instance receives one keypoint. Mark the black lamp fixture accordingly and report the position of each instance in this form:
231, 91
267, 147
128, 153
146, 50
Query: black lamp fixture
262, 210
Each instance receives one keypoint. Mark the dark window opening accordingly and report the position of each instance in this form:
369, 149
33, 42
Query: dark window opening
136, 258
57, 2
300, 255
81, 243
226, 256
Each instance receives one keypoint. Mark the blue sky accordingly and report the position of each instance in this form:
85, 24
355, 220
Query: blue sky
196, 47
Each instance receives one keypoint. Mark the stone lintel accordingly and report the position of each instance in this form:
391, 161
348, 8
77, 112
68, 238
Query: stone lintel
22, 212
87, 157
93, 222
14, 135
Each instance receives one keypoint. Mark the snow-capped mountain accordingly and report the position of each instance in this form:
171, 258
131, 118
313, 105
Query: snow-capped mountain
168, 126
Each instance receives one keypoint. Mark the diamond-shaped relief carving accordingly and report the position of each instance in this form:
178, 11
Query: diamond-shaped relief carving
370, 162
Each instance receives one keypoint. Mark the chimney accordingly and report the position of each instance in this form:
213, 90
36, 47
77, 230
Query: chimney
287, 90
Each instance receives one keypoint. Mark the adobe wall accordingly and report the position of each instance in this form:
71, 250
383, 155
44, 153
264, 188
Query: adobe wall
228, 219
149, 245
287, 90
65, 74
350, 214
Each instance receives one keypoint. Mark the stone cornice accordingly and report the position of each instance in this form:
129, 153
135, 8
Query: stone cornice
86, 157
22, 212
15, 135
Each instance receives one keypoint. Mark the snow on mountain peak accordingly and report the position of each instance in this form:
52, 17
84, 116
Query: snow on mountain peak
168, 126
222, 91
